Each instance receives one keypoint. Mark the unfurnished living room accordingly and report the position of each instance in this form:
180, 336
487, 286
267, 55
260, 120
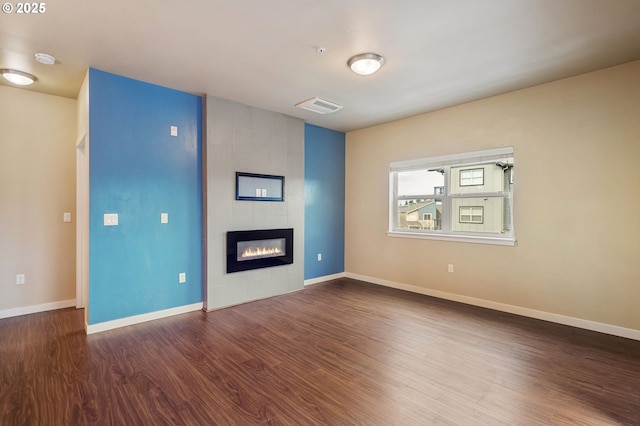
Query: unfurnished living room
320, 212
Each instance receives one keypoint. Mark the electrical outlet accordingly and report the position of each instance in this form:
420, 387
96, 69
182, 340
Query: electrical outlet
20, 279
319, 257
164, 217
111, 219
450, 268
182, 277
174, 131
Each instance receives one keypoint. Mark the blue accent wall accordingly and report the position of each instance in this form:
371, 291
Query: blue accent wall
138, 170
323, 201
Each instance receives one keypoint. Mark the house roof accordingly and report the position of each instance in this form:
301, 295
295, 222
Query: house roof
413, 207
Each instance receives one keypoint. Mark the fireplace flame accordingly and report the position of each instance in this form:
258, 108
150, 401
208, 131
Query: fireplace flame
260, 252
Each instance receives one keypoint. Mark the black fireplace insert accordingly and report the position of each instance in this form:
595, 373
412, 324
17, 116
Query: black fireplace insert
257, 249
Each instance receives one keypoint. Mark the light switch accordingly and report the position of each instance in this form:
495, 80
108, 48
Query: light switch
264, 192
182, 277
111, 219
258, 192
174, 130
67, 217
164, 217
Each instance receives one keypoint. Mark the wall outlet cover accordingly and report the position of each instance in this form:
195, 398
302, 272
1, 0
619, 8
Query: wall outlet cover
111, 219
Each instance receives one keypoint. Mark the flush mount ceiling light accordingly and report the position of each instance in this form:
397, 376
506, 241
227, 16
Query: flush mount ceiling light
366, 63
18, 77
45, 58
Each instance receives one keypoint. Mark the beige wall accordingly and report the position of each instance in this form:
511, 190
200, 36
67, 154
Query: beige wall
82, 199
37, 185
82, 118
577, 198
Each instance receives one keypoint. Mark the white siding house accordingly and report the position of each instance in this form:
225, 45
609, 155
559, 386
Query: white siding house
484, 213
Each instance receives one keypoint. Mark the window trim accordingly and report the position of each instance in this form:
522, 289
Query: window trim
472, 159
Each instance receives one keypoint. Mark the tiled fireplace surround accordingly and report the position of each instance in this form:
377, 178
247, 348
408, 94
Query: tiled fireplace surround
241, 138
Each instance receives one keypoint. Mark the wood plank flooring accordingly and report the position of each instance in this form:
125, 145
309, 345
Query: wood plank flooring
338, 353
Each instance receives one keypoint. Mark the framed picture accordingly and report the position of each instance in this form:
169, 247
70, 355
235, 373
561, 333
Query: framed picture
257, 187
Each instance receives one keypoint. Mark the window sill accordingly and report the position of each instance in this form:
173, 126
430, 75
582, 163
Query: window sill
509, 241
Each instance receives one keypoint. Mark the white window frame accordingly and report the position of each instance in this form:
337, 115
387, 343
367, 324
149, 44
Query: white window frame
446, 162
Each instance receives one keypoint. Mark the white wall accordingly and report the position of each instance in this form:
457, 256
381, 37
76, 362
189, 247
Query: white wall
241, 138
576, 145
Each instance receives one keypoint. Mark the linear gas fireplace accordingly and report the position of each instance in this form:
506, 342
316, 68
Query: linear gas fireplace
259, 249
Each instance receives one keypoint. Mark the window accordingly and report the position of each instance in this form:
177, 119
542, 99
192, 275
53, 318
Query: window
461, 197
471, 214
472, 177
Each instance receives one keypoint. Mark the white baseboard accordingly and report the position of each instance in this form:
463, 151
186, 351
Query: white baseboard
323, 279
137, 319
614, 330
25, 310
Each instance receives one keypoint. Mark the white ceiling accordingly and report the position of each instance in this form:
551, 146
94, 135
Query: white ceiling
264, 52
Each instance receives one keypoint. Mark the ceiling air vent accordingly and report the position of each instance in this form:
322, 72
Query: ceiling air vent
320, 106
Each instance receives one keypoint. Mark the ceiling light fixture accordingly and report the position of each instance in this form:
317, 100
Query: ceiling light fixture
18, 77
366, 63
45, 58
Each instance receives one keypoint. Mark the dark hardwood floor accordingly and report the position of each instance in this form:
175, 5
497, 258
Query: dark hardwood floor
341, 352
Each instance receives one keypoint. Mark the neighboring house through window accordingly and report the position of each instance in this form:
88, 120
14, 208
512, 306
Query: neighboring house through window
460, 197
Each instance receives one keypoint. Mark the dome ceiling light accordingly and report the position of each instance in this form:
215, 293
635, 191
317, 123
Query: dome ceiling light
366, 63
18, 77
